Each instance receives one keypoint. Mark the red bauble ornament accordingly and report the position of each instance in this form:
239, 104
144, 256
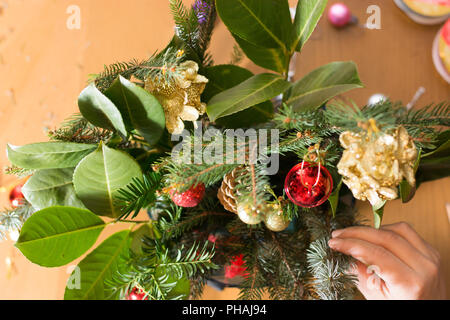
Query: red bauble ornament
308, 185
136, 294
190, 198
339, 15
16, 196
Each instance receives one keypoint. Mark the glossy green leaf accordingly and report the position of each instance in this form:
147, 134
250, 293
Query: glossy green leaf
306, 18
100, 111
48, 155
100, 175
223, 77
58, 235
378, 211
249, 93
270, 58
140, 110
51, 187
322, 84
334, 198
265, 23
99, 266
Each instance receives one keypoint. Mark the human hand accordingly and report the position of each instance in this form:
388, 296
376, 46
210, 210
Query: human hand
406, 267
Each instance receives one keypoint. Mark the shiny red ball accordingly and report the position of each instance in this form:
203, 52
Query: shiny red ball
136, 294
16, 196
190, 198
339, 15
308, 187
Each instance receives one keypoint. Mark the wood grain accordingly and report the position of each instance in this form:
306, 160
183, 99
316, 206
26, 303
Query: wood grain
44, 66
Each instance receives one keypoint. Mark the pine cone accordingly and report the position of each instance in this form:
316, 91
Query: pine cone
226, 192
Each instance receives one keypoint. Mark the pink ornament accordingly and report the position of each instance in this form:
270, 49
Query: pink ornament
339, 15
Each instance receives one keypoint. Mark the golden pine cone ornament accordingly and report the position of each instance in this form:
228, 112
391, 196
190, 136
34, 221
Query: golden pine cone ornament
373, 167
180, 100
274, 219
226, 194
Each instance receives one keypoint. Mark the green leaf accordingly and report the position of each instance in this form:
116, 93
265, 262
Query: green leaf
100, 111
100, 266
99, 176
334, 198
58, 235
51, 187
139, 109
265, 23
378, 211
323, 84
251, 92
48, 155
223, 77
407, 191
306, 18
270, 58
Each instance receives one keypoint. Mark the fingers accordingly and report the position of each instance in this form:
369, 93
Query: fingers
407, 232
390, 267
387, 239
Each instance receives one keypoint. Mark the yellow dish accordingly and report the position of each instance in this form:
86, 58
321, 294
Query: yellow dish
428, 8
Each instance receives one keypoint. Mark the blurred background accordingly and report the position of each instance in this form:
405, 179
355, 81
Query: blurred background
44, 65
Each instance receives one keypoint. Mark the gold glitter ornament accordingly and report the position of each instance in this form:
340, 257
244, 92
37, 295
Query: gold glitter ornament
373, 166
274, 219
249, 215
180, 100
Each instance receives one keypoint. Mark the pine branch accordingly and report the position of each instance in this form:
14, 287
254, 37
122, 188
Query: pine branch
12, 220
139, 194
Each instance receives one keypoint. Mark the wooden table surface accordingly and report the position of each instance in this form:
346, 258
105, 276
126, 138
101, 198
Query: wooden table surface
44, 66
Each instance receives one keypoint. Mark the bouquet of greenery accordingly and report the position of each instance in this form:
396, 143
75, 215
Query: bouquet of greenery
224, 202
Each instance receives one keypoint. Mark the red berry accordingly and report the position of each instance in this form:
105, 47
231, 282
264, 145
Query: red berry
308, 187
16, 196
135, 294
190, 198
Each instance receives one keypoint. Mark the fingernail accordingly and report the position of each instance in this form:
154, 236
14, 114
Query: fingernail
333, 243
336, 233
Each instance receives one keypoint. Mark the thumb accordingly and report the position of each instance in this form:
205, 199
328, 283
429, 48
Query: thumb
369, 283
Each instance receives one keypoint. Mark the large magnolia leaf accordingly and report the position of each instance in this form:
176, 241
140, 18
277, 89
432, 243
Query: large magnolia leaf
51, 187
139, 109
99, 266
265, 23
99, 176
249, 93
269, 58
58, 235
306, 18
100, 111
223, 77
48, 155
323, 84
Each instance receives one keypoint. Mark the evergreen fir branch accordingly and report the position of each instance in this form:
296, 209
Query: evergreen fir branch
139, 194
12, 219
237, 55
251, 188
78, 129
162, 67
197, 259
19, 172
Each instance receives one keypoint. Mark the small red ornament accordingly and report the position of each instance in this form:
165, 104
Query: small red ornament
16, 196
136, 294
339, 15
190, 198
236, 268
308, 185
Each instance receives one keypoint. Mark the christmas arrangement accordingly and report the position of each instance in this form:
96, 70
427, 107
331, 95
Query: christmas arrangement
218, 173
